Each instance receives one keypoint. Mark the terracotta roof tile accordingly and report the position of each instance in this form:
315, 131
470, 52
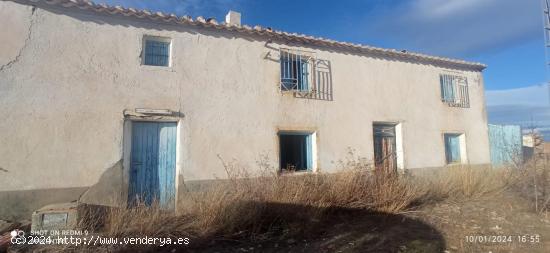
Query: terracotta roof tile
201, 21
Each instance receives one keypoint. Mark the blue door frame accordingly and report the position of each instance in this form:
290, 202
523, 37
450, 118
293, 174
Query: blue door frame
153, 164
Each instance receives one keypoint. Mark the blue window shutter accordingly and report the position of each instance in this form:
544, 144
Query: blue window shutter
447, 90
451, 82
282, 61
447, 84
442, 85
455, 150
448, 149
452, 148
304, 76
299, 72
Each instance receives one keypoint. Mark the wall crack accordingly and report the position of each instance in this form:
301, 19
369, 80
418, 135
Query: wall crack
25, 44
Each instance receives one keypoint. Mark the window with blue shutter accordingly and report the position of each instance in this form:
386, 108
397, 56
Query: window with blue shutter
295, 72
296, 151
304, 75
156, 52
452, 148
454, 90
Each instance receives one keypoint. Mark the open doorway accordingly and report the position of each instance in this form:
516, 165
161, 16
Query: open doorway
296, 151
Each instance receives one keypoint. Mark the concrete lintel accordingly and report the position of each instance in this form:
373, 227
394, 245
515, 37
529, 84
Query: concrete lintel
133, 115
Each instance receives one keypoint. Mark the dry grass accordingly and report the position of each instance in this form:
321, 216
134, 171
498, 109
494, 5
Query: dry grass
249, 207
465, 182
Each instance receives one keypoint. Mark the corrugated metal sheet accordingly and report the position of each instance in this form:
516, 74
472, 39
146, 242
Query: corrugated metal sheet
505, 142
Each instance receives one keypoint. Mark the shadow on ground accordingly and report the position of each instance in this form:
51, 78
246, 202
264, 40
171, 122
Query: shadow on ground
290, 228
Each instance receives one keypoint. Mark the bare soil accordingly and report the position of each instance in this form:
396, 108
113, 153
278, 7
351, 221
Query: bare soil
504, 222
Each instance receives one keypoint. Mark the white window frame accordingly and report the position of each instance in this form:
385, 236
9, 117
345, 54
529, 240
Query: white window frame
462, 148
314, 148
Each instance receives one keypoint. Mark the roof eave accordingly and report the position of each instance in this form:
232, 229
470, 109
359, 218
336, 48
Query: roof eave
257, 30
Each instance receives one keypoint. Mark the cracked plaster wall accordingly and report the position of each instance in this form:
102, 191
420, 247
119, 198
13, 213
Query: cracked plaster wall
62, 100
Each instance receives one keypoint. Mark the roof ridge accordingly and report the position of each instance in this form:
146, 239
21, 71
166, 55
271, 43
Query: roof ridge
259, 30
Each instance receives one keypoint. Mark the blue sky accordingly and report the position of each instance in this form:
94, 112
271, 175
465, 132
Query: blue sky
504, 34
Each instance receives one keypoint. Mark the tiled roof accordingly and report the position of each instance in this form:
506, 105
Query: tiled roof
257, 30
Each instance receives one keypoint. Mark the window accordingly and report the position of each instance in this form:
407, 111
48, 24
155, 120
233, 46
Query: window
295, 71
304, 75
296, 151
454, 148
454, 90
156, 51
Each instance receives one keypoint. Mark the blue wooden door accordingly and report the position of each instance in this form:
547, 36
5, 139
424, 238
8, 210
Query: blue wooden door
153, 163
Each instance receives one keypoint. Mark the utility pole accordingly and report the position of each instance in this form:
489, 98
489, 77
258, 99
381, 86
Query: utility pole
546, 28
544, 174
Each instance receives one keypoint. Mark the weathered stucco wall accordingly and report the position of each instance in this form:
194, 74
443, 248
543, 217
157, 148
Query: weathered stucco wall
62, 97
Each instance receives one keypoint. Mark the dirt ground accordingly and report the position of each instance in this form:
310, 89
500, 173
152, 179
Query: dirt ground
501, 223
508, 220
504, 222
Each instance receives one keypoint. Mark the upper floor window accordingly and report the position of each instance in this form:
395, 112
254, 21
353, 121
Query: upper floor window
295, 71
454, 90
156, 51
305, 75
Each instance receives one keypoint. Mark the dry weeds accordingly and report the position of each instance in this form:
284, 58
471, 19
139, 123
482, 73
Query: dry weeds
250, 206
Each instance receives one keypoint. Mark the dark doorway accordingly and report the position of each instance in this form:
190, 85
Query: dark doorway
295, 151
385, 155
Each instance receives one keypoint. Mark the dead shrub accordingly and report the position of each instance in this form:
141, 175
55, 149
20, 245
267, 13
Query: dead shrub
463, 182
248, 206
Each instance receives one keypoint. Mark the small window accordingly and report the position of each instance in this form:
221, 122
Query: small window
454, 147
156, 51
296, 151
295, 71
454, 90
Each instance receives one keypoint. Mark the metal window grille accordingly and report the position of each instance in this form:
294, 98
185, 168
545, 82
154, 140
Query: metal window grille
306, 76
295, 71
454, 90
157, 53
